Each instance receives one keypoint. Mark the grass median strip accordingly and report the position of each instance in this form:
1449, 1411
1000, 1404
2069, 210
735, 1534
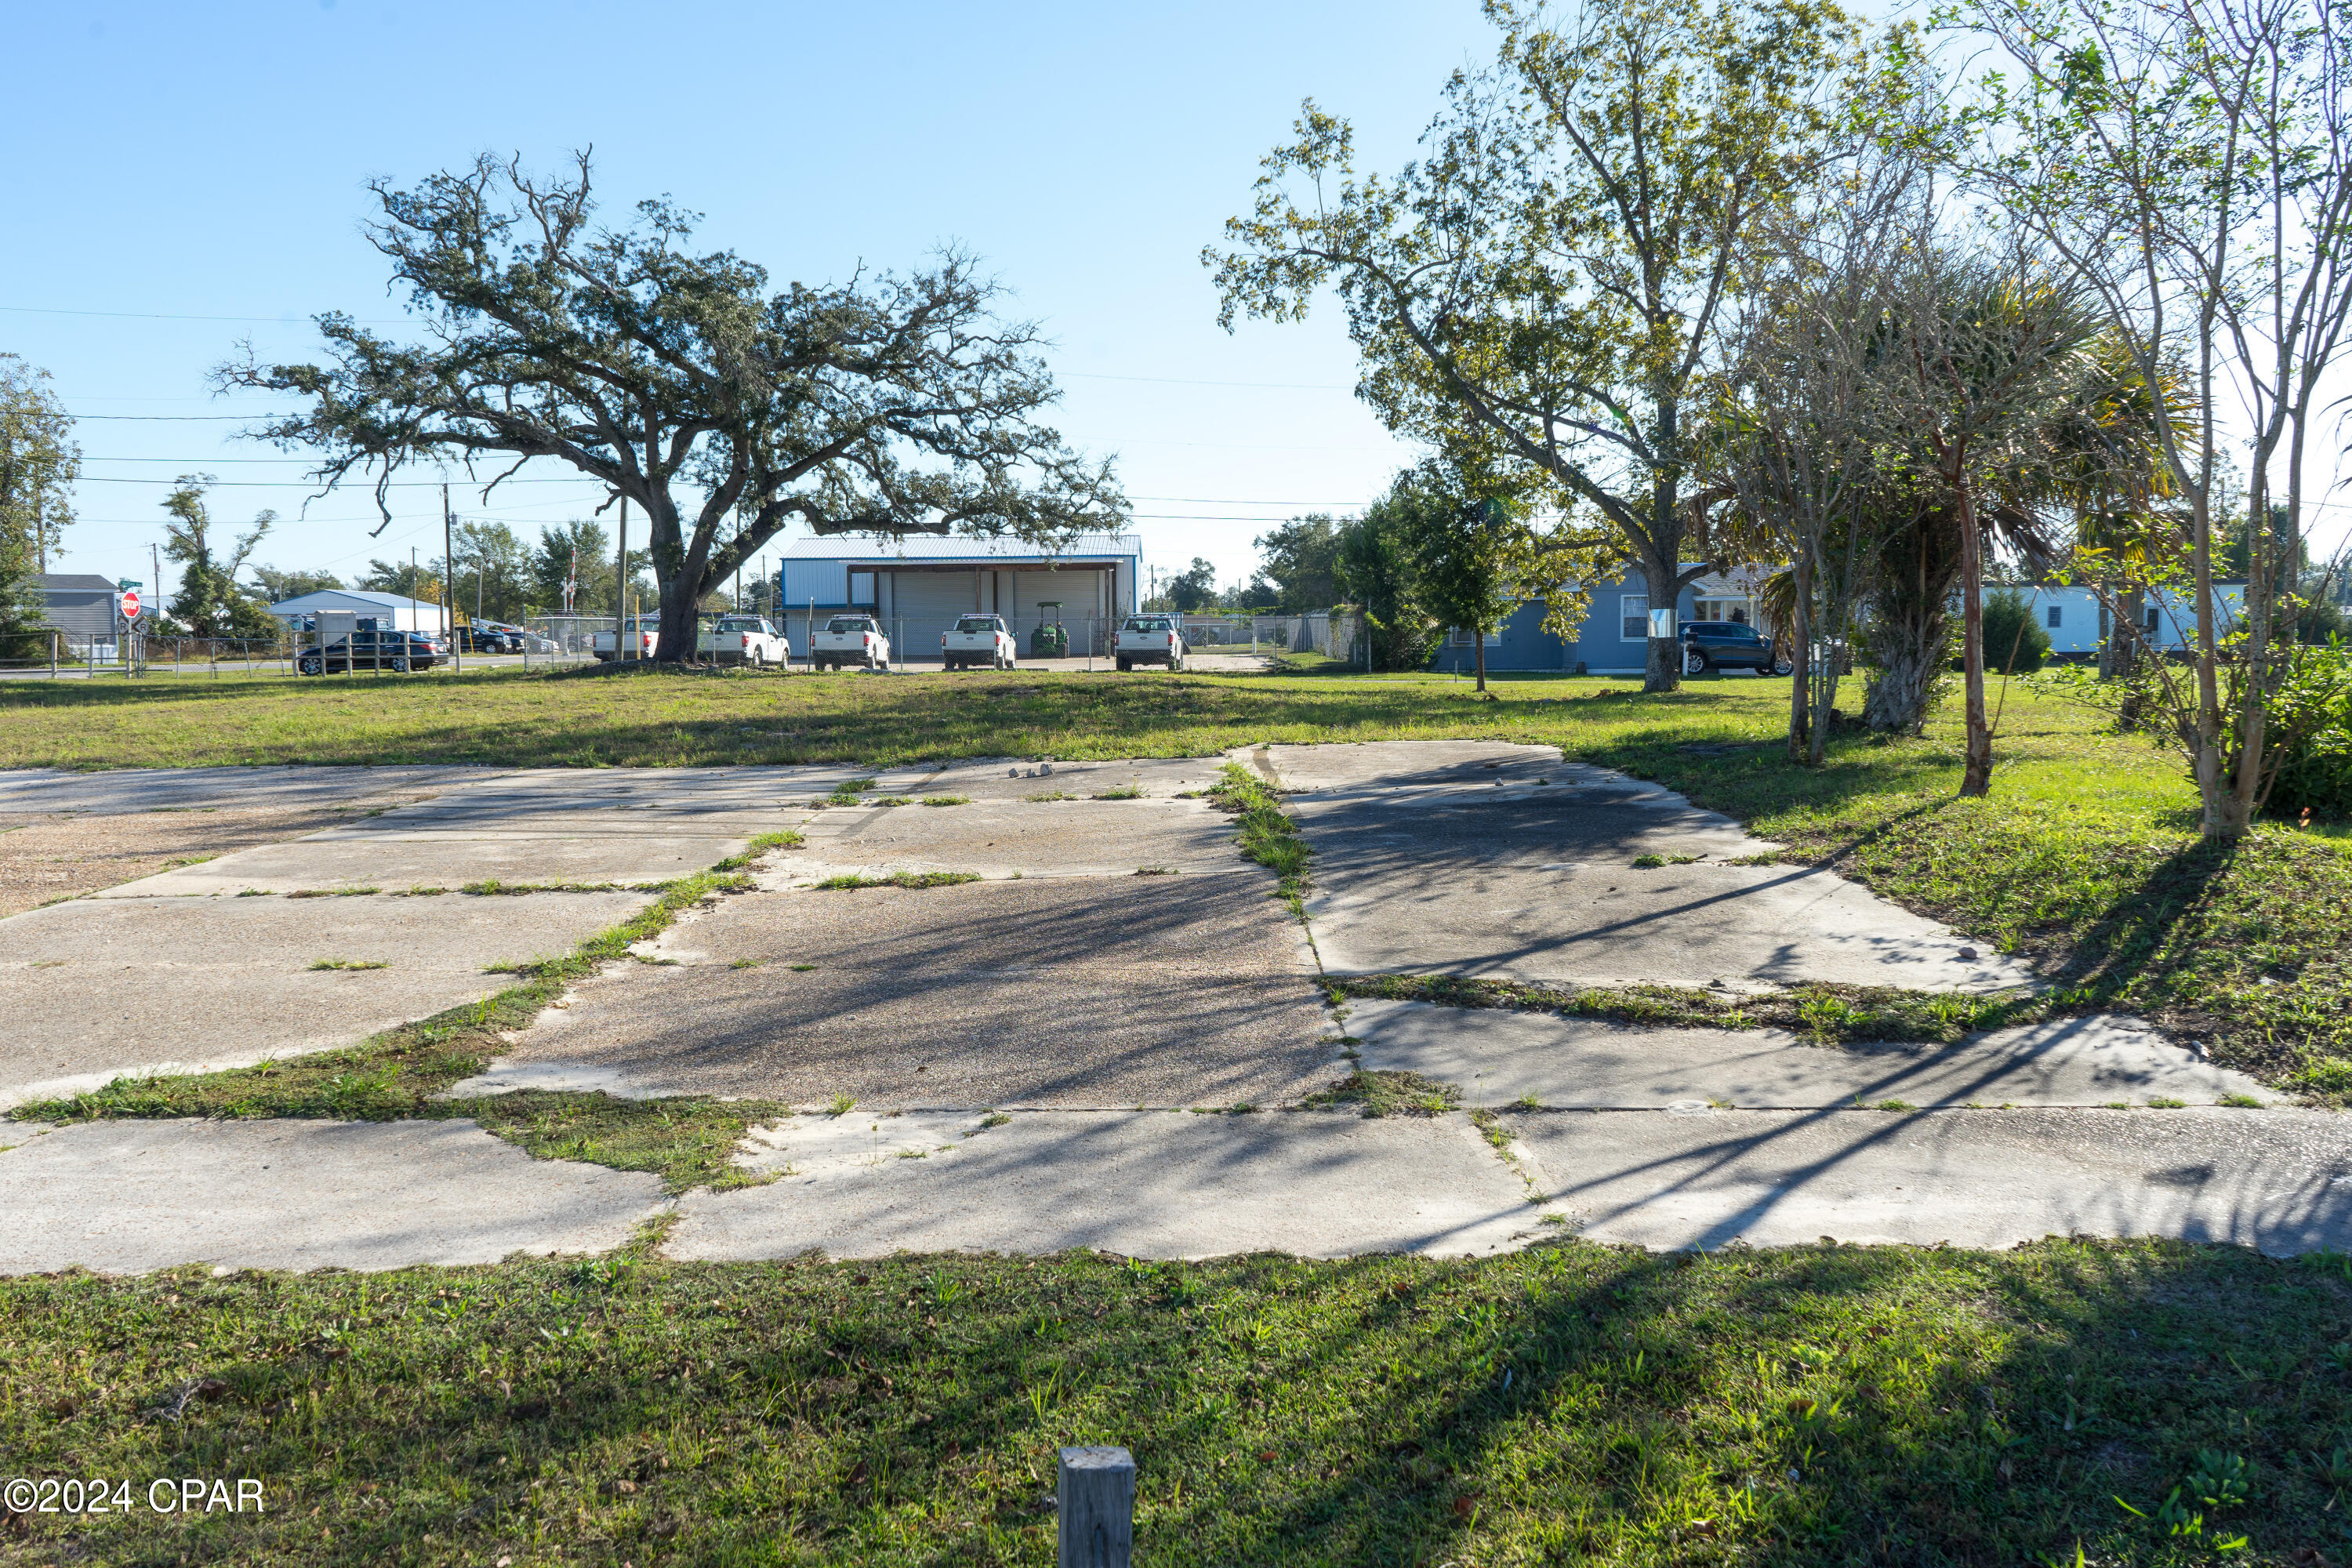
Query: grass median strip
1814, 1405
1827, 1015
402, 1073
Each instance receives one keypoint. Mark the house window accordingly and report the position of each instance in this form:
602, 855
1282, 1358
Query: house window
2151, 617
1634, 617
2056, 616
1461, 636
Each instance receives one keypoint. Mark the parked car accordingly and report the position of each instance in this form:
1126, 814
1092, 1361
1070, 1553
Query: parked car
744, 639
1151, 639
483, 637
850, 639
367, 648
979, 639
643, 632
1729, 645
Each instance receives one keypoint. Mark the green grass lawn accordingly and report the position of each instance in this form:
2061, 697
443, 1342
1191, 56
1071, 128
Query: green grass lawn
2086, 857
1571, 1403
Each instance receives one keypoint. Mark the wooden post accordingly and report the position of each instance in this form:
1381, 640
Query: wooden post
1096, 1499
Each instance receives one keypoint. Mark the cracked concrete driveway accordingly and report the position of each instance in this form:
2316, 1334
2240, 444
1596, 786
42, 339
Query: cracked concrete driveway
1070, 991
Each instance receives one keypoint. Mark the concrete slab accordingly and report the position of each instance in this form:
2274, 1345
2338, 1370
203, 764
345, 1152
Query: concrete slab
1538, 884
1045, 1038
1113, 992
397, 861
129, 791
124, 1197
1403, 764
2278, 1180
101, 987
1153, 1184
991, 778
1226, 925
1497, 1057
999, 838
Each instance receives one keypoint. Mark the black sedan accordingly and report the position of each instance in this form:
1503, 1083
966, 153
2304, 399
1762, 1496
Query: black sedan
1728, 645
395, 653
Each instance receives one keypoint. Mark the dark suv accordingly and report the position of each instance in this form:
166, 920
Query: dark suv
393, 652
1728, 645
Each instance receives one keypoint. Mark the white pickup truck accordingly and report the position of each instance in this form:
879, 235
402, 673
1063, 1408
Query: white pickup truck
977, 640
850, 639
643, 632
744, 639
1151, 639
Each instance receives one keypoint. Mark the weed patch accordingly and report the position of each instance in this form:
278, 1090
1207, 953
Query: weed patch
849, 880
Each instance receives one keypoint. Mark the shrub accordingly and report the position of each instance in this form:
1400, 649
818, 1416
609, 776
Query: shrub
2013, 638
2313, 710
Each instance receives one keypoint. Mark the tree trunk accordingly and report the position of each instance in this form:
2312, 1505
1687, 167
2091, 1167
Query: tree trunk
1975, 775
1800, 648
1663, 670
1481, 653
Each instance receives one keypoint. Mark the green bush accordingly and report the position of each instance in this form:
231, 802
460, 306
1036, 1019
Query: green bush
2013, 638
2314, 706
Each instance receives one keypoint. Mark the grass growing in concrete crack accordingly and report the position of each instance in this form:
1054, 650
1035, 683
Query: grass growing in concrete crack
849, 880
402, 1073
1381, 1092
349, 964
1824, 1013
1788, 1407
1267, 837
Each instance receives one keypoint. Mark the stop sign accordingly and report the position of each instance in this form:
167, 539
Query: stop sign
131, 604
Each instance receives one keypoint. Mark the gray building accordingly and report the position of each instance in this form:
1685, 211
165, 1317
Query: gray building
919, 586
81, 605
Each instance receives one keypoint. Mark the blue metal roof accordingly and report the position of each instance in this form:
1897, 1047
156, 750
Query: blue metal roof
930, 551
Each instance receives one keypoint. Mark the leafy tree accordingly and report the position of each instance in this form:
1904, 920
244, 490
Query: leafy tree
489, 574
2192, 165
23, 610
39, 462
1299, 564
278, 586
889, 404
1194, 588
209, 602
1554, 271
1377, 571
1471, 547
579, 551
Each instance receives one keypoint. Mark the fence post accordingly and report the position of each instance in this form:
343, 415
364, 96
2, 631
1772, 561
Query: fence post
53, 655
1095, 1500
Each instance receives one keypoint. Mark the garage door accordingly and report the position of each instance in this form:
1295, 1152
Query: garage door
925, 604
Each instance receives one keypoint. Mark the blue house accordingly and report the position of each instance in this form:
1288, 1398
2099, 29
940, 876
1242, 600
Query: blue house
1614, 639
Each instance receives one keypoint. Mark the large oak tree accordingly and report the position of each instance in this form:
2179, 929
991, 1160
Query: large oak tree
890, 405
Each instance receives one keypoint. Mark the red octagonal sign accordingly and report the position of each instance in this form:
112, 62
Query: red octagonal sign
131, 604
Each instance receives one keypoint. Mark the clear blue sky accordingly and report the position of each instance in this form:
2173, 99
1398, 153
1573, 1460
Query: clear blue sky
206, 161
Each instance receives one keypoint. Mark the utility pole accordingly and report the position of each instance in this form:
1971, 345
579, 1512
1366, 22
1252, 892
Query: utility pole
621, 585
449, 569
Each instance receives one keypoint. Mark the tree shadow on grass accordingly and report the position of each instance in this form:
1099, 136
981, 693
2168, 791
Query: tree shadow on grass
1811, 1406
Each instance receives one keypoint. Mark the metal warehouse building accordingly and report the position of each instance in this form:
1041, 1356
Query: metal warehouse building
919, 587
